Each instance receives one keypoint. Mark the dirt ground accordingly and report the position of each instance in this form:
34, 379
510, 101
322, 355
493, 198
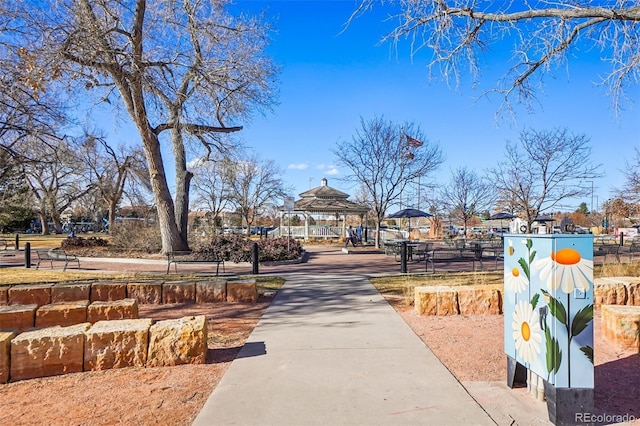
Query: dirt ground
175, 395
140, 396
616, 375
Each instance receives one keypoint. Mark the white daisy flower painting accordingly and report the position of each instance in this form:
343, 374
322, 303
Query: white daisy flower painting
566, 269
515, 280
526, 332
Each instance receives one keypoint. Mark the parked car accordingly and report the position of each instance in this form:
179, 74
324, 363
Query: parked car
477, 231
581, 230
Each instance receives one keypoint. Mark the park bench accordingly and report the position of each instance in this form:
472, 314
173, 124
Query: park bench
185, 257
56, 255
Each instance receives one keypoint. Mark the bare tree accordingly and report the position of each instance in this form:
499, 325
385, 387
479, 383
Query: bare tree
186, 68
212, 184
545, 34
632, 175
254, 185
542, 169
466, 195
619, 211
56, 179
110, 168
384, 159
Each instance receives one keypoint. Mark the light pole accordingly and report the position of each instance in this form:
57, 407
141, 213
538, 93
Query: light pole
591, 211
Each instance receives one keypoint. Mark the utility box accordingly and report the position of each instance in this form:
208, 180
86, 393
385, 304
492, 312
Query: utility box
548, 319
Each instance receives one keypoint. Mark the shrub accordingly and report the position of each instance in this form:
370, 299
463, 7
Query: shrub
136, 237
271, 249
79, 242
238, 248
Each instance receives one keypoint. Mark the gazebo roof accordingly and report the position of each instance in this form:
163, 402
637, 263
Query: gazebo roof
324, 199
324, 192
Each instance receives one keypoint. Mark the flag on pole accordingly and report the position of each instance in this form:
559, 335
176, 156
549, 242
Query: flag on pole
413, 142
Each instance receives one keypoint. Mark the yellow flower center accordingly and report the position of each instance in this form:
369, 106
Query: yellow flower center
566, 256
526, 331
515, 272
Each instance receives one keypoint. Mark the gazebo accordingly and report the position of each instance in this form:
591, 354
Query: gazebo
324, 200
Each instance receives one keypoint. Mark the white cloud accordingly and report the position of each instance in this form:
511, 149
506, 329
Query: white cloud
301, 166
332, 171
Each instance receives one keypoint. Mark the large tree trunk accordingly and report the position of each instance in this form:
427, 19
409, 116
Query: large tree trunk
171, 238
183, 182
57, 223
112, 215
44, 223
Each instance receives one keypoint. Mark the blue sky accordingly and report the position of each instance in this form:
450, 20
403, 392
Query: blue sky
330, 79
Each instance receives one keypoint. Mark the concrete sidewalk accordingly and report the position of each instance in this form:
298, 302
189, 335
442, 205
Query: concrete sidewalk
331, 351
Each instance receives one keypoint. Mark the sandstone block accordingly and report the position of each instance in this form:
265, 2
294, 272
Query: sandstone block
243, 291
39, 294
48, 352
479, 300
211, 291
62, 313
108, 291
621, 325
70, 292
179, 292
145, 292
117, 344
436, 300
632, 286
633, 292
4, 295
116, 310
178, 341
17, 317
5, 351
608, 291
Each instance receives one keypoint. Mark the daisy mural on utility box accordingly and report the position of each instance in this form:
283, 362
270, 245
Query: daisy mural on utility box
548, 316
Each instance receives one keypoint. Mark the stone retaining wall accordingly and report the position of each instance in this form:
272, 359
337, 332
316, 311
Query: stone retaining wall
464, 300
144, 292
23, 317
617, 291
58, 350
473, 300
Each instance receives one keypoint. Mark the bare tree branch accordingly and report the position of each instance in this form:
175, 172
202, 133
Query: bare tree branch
457, 32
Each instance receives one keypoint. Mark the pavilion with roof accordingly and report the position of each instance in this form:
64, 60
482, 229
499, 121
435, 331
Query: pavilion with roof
325, 200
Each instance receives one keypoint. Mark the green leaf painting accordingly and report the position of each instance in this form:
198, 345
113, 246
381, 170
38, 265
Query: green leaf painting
534, 300
556, 308
581, 320
588, 352
553, 352
525, 268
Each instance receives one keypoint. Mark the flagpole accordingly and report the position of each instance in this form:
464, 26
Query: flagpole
418, 192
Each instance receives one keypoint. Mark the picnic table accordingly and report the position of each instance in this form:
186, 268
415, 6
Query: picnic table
606, 246
417, 249
454, 255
